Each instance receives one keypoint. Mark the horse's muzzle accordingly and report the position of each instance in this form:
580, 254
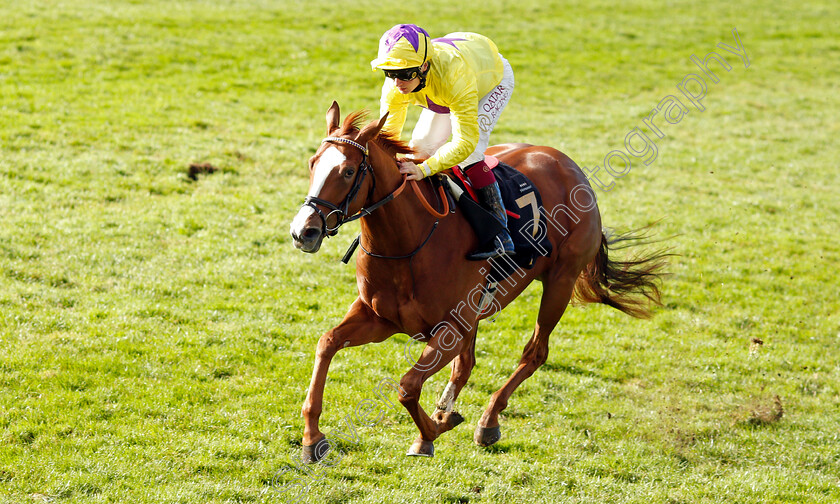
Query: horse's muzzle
309, 241
306, 230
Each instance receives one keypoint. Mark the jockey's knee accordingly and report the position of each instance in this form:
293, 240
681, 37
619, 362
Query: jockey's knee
421, 151
480, 174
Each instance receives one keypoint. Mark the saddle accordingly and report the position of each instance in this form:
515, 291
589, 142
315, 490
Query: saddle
523, 203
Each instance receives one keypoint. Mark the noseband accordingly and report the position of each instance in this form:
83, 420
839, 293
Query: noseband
341, 211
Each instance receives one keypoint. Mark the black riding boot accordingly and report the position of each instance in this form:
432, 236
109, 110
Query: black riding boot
491, 198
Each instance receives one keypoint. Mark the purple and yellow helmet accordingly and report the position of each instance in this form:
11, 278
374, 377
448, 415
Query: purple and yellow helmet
403, 46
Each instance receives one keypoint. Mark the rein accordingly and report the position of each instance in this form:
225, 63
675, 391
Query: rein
427, 206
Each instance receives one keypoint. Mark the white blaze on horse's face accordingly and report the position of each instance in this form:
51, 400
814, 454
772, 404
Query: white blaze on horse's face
309, 241
329, 161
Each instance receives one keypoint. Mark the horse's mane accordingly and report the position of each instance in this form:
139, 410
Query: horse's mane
389, 141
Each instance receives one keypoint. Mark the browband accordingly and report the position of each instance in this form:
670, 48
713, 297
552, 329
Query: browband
348, 142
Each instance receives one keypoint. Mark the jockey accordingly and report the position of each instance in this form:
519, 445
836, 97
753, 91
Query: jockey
463, 84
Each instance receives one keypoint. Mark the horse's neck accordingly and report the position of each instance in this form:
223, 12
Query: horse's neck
394, 229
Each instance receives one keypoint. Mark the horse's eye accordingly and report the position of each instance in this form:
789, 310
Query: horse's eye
349, 173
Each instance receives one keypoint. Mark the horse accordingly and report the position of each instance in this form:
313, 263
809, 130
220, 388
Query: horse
413, 276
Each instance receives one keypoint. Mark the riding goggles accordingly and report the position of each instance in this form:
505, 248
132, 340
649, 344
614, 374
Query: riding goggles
403, 74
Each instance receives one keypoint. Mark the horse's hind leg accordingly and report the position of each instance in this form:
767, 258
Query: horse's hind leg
557, 291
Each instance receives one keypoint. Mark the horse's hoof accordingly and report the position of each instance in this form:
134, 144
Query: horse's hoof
315, 452
487, 436
422, 448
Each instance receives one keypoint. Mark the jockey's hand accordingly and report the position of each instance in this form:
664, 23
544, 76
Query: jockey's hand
413, 171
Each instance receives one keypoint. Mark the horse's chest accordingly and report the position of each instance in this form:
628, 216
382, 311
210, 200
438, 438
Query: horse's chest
391, 298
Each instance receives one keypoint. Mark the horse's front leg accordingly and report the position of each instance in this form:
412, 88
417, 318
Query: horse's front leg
359, 326
462, 366
445, 344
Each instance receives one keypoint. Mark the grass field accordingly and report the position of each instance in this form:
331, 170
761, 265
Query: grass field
157, 332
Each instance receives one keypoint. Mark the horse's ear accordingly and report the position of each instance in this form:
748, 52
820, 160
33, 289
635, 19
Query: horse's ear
333, 115
371, 130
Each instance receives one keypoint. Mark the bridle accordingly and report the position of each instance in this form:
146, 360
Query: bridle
340, 212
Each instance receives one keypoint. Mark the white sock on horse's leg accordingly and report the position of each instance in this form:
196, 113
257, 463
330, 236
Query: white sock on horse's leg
447, 400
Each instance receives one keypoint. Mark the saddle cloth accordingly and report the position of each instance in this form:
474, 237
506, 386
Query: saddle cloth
523, 203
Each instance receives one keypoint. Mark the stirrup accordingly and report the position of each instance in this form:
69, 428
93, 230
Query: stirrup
502, 244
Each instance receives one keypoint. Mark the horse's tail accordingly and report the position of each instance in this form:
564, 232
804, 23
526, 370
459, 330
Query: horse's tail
630, 286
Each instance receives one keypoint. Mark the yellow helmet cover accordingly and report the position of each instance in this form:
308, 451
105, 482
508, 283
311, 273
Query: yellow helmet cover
403, 46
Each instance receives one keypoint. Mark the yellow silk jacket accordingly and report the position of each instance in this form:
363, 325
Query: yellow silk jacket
463, 68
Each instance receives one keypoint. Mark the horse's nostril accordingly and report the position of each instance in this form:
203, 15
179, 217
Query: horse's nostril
310, 234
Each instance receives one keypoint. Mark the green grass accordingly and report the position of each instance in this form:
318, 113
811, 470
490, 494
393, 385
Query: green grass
157, 333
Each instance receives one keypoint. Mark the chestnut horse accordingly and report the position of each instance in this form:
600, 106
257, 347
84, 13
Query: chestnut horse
413, 277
